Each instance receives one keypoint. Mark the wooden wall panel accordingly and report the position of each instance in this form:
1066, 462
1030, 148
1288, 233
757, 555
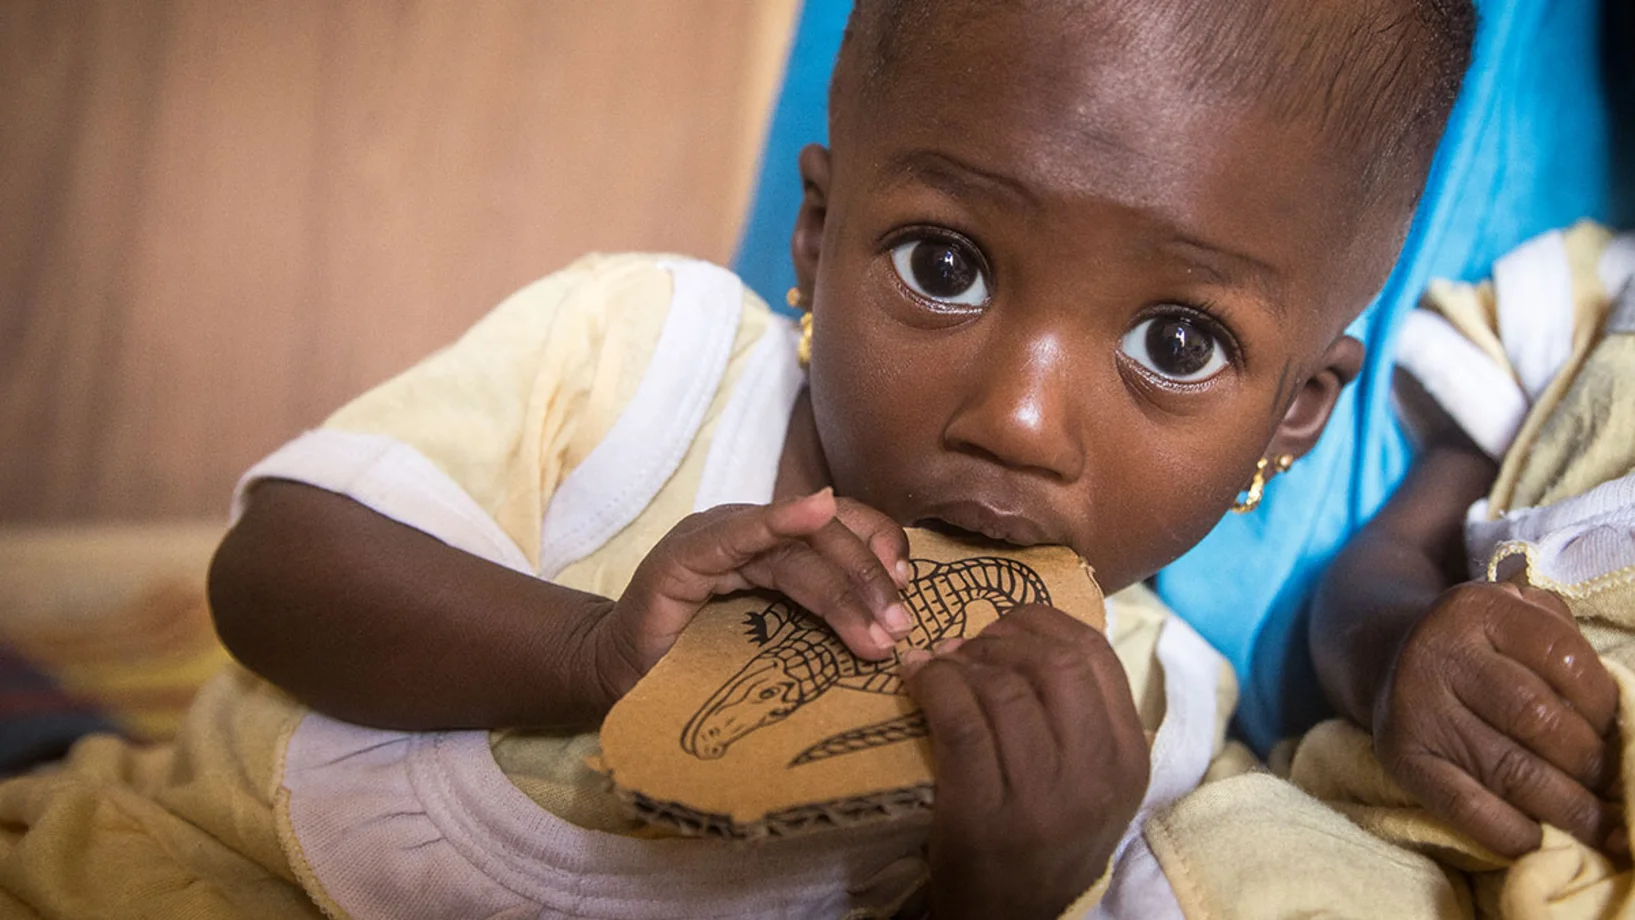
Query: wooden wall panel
220, 220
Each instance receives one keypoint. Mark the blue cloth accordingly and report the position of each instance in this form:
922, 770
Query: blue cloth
801, 118
1528, 148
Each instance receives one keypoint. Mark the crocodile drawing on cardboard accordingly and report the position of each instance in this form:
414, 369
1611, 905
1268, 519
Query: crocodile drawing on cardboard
801, 658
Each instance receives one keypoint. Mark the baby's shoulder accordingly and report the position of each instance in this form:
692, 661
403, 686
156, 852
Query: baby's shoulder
632, 285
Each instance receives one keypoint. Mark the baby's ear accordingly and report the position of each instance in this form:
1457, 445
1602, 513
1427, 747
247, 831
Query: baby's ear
806, 243
1314, 403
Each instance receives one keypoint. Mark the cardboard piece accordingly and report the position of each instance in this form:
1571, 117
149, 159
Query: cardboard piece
760, 722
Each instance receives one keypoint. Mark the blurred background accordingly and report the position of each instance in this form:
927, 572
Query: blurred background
221, 220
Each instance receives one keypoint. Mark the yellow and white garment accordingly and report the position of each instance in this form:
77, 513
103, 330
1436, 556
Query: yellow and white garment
561, 437
1538, 367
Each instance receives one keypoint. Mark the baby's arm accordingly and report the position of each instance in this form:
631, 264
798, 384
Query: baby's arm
1485, 701
375, 622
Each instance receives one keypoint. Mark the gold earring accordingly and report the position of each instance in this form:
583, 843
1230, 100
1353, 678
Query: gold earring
1257, 485
792, 298
803, 348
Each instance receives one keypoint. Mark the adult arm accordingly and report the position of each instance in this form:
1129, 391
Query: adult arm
1485, 702
1394, 569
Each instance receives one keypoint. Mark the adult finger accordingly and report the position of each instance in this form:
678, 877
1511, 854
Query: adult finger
1519, 704
1559, 653
883, 536
846, 551
1533, 786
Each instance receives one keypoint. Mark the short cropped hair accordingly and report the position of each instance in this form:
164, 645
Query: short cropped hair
1379, 77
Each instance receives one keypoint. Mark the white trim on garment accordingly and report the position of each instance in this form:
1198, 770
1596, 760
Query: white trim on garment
1181, 753
754, 424
1573, 546
394, 480
1533, 285
1617, 264
1478, 394
408, 825
642, 450
426, 825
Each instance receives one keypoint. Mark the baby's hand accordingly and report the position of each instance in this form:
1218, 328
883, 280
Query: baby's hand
1041, 763
843, 561
1498, 714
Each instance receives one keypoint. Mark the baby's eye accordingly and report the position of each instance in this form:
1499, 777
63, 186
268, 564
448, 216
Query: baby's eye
1176, 348
945, 271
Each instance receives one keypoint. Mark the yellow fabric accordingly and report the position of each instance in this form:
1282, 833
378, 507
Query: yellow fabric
1589, 436
514, 405
1253, 846
201, 828
182, 830
1341, 838
1473, 310
194, 828
115, 614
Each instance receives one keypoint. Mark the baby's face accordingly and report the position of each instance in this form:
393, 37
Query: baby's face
1058, 299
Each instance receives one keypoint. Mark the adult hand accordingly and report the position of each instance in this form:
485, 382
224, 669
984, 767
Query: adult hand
1498, 715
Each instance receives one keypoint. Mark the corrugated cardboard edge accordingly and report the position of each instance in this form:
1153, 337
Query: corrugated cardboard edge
803, 819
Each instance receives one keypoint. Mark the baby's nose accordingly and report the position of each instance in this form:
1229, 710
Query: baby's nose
1019, 411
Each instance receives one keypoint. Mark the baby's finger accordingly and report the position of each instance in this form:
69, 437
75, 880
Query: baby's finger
1023, 739
883, 536
847, 552
1087, 703
1559, 653
796, 569
962, 743
1044, 621
720, 540
1519, 704
1080, 642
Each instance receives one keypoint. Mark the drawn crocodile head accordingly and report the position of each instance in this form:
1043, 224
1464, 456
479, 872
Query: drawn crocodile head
762, 693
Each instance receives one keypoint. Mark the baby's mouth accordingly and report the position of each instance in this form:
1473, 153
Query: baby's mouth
979, 523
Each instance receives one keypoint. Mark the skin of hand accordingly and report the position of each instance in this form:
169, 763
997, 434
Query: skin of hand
1485, 702
397, 607
841, 560
1041, 763
1497, 714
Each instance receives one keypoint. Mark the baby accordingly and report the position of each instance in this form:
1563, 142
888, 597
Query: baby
1073, 273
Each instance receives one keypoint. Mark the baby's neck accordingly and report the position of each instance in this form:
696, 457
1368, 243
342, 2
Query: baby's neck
802, 468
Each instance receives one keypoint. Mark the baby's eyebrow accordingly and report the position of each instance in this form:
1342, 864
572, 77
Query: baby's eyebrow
960, 179
955, 177
1228, 267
